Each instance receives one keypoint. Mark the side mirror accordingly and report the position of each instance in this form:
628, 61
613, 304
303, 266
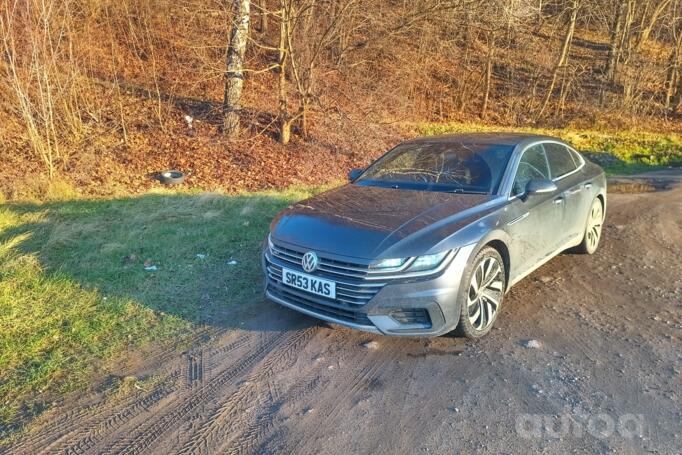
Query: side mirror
354, 174
540, 186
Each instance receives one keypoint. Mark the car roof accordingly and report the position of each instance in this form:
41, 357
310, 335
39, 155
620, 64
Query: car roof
501, 138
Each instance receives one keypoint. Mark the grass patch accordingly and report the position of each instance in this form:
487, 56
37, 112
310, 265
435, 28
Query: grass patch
626, 152
74, 291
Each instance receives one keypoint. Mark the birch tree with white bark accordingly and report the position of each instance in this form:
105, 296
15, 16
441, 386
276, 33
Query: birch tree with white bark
234, 75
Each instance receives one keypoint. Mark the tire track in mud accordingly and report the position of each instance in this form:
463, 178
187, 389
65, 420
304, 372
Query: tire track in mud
84, 419
313, 376
249, 416
190, 376
411, 420
349, 386
82, 429
263, 421
264, 418
233, 412
86, 426
144, 434
92, 434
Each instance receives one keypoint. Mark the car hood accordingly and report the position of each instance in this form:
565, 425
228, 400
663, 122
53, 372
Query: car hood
373, 222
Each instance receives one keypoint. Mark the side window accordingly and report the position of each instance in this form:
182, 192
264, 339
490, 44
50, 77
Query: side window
533, 165
560, 160
577, 159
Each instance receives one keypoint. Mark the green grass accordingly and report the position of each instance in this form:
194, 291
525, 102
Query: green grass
75, 295
628, 151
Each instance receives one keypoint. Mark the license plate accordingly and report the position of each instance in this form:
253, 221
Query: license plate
309, 283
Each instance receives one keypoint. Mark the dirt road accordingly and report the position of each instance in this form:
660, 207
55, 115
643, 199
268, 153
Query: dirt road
585, 358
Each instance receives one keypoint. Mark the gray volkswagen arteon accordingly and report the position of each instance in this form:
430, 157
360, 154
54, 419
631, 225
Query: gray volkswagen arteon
430, 237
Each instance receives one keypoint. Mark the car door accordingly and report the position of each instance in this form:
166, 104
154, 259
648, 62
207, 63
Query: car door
533, 220
563, 168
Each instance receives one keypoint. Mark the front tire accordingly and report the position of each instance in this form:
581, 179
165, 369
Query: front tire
593, 226
481, 293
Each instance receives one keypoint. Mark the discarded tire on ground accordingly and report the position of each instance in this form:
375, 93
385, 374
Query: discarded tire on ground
171, 177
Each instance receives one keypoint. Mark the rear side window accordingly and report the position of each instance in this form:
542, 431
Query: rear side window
533, 165
576, 157
560, 160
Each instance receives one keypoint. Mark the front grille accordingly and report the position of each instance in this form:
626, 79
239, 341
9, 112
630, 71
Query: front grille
327, 266
352, 292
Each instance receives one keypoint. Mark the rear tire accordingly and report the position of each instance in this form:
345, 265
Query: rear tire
481, 293
593, 226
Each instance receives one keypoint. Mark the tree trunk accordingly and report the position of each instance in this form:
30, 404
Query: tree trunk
614, 45
563, 57
284, 117
488, 73
647, 26
263, 16
677, 98
563, 92
304, 119
459, 98
673, 73
234, 76
624, 47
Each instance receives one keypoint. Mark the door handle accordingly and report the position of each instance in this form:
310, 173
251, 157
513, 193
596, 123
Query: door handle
518, 218
575, 190
588, 186
559, 200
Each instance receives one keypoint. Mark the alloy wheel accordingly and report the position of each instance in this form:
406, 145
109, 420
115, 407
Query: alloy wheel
594, 222
485, 293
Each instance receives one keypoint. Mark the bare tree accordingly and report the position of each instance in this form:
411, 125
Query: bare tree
285, 118
652, 11
263, 13
308, 29
615, 42
673, 77
234, 76
488, 71
563, 56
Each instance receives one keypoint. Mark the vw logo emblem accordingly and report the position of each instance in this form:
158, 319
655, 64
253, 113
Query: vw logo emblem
309, 261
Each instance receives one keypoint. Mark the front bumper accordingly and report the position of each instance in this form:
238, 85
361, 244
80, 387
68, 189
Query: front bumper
434, 297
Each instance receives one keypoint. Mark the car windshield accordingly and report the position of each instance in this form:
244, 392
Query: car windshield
440, 166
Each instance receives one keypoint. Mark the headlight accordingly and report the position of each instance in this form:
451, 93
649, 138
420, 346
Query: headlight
428, 262
418, 264
387, 264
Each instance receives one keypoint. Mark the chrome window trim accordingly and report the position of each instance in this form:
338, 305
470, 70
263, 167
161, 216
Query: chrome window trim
516, 170
561, 177
578, 154
508, 179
